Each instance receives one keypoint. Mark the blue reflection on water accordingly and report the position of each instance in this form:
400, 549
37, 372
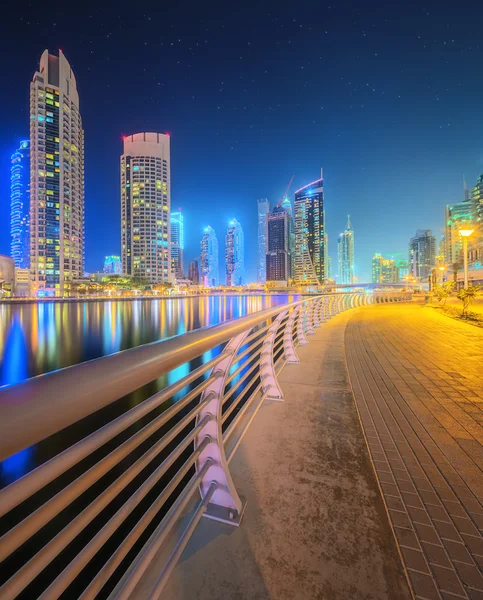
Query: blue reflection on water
14, 364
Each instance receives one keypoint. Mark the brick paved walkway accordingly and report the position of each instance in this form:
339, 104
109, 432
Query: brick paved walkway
417, 378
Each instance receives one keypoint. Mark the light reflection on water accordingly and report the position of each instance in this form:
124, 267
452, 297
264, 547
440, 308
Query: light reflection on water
39, 338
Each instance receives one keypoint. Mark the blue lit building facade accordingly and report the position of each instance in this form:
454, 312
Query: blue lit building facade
209, 258
177, 244
20, 205
112, 265
235, 254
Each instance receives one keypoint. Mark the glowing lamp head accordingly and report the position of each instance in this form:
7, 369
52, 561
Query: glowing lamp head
466, 232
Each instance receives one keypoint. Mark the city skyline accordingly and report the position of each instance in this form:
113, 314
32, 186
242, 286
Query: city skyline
415, 95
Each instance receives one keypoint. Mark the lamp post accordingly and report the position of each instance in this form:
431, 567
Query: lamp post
465, 234
442, 269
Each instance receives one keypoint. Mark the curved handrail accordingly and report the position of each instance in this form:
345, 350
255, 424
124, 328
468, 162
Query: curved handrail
39, 407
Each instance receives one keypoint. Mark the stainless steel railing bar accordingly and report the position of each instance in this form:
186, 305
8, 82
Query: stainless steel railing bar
233, 425
10, 541
58, 586
23, 488
120, 553
182, 543
237, 400
127, 584
48, 552
237, 384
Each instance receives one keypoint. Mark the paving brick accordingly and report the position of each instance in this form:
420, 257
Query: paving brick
419, 515
424, 585
436, 554
415, 559
470, 575
447, 531
457, 551
406, 537
447, 580
465, 526
400, 518
426, 533
475, 544
438, 512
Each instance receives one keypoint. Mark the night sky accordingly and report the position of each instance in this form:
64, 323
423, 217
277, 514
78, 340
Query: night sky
387, 97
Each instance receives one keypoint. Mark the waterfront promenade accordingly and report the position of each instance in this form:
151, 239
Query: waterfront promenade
316, 523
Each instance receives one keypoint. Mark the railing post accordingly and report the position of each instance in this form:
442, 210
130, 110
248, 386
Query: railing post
301, 337
309, 318
288, 339
270, 386
321, 310
316, 312
225, 505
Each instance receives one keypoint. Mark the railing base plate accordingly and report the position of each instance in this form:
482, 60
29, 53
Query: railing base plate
224, 514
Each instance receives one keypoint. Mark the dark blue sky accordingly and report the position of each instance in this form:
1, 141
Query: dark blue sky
387, 98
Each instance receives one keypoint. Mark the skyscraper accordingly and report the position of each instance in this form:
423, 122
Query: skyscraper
234, 254
384, 270
194, 272
422, 252
310, 234
477, 199
145, 207
459, 215
112, 265
278, 259
209, 258
56, 178
345, 254
20, 205
263, 210
177, 244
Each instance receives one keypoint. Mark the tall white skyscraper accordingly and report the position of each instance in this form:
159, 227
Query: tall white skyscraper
177, 243
209, 258
345, 254
263, 210
235, 254
56, 178
145, 207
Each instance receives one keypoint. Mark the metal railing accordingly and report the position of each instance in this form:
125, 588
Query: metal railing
172, 449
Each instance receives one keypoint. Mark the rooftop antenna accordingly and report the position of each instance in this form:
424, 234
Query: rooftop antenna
321, 172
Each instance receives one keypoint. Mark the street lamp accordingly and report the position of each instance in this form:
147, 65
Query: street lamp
442, 269
465, 234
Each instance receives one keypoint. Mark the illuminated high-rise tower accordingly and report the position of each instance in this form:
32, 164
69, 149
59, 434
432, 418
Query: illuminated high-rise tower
20, 205
56, 178
310, 234
345, 254
145, 207
263, 210
235, 254
422, 254
177, 244
209, 258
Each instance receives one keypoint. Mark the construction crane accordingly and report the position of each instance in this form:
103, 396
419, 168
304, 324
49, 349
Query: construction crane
288, 188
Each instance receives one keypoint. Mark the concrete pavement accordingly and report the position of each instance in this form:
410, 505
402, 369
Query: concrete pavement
315, 525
